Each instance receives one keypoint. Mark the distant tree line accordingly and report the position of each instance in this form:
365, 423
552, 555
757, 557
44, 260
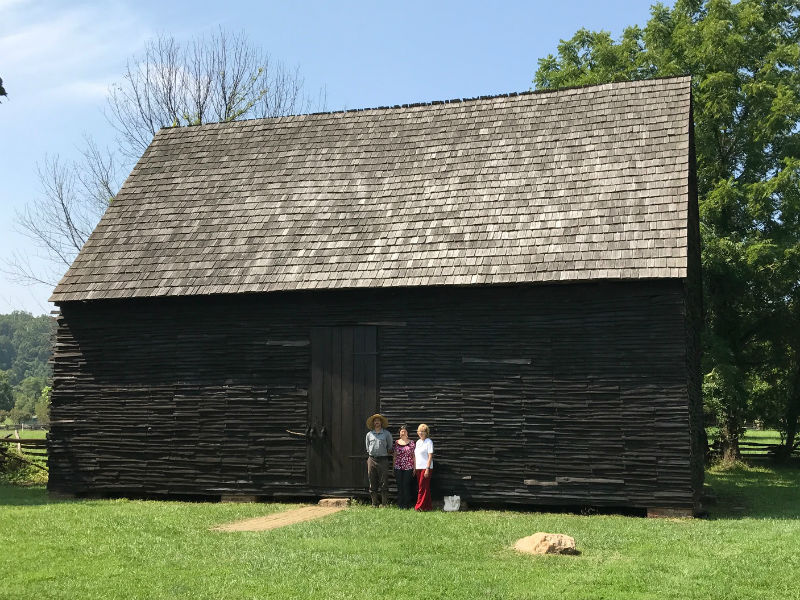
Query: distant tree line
25, 347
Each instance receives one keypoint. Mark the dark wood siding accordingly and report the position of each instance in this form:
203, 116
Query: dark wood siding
694, 319
550, 394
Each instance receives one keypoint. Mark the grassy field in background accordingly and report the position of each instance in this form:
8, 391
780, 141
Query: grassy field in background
29, 434
749, 548
762, 436
757, 436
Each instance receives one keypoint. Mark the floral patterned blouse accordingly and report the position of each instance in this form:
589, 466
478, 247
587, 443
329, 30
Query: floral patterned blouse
404, 456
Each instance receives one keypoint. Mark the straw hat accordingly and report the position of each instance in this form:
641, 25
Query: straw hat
384, 421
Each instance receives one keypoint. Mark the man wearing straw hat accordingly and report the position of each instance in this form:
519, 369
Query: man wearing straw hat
379, 445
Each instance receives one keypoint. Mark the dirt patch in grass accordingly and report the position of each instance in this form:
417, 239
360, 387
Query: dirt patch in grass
281, 519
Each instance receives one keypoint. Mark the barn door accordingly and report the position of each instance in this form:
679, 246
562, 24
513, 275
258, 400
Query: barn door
343, 395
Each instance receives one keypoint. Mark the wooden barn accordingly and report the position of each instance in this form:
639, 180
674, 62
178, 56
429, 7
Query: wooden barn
521, 272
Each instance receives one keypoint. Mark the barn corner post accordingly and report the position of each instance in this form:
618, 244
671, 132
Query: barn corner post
694, 322
58, 437
522, 278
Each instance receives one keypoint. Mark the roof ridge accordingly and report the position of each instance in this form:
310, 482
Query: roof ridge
433, 102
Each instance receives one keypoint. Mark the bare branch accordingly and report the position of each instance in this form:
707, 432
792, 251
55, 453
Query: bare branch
19, 269
99, 177
212, 78
216, 77
59, 220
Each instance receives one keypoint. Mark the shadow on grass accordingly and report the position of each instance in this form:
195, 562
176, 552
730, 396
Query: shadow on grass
755, 492
19, 495
743, 492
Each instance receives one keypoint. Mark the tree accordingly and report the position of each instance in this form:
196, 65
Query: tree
744, 59
215, 78
26, 394
25, 345
74, 195
218, 77
6, 393
42, 408
2, 89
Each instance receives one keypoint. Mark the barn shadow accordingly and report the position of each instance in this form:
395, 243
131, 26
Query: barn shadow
19, 495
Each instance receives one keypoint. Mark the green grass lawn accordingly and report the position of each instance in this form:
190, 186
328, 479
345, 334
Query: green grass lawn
762, 436
757, 436
750, 548
28, 434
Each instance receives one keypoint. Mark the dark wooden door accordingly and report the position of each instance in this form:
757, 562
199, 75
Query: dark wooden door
343, 395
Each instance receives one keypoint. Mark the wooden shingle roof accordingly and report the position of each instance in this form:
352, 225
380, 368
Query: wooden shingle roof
577, 184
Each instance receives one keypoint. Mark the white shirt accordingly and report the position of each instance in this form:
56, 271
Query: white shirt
423, 449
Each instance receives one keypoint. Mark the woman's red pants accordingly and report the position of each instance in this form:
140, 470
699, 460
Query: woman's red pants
423, 490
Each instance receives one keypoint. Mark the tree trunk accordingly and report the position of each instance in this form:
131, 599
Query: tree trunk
792, 414
729, 441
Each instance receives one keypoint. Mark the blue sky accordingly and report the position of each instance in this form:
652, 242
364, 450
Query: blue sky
58, 58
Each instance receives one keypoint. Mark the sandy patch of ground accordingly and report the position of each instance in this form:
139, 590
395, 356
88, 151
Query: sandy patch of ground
281, 519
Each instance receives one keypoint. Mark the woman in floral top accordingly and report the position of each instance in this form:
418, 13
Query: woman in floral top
404, 469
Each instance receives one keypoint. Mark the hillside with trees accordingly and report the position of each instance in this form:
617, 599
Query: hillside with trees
25, 346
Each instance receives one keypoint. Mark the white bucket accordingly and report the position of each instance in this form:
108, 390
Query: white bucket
452, 503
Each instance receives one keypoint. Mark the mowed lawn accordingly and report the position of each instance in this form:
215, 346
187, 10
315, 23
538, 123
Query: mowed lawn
28, 434
749, 548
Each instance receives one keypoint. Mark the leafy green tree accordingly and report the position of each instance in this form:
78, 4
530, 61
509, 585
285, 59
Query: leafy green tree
6, 394
26, 395
18, 415
25, 345
744, 59
42, 408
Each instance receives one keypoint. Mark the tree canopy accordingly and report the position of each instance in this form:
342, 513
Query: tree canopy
25, 345
744, 59
24, 354
6, 393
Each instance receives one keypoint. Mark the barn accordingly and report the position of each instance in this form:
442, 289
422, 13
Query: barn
521, 272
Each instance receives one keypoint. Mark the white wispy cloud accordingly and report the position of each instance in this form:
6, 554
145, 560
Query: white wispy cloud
6, 4
92, 91
57, 51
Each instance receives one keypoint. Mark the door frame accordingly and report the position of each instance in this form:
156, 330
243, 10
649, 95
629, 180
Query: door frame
343, 393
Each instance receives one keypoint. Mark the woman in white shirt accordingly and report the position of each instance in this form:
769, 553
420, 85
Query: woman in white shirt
423, 458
